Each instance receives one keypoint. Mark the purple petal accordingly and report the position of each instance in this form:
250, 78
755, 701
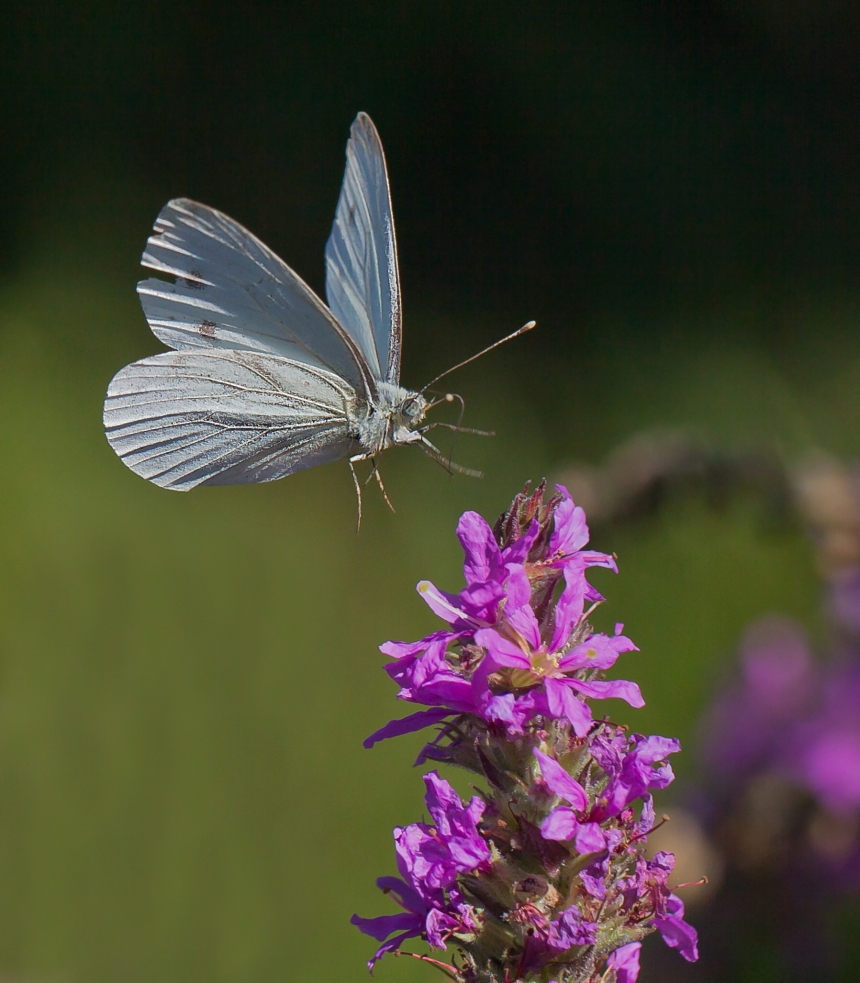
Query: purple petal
625, 962
654, 748
646, 819
518, 611
406, 725
592, 595
594, 878
513, 712
469, 853
590, 838
399, 650
504, 709
638, 771
500, 652
518, 551
446, 606
441, 799
677, 934
407, 897
621, 689
662, 776
563, 703
500, 708
569, 930
597, 652
525, 624
391, 946
570, 532
456, 825
425, 857
560, 824
429, 679
380, 928
401, 669
593, 559
483, 557
451, 691
437, 924
517, 587
570, 605
479, 601
560, 783
429, 664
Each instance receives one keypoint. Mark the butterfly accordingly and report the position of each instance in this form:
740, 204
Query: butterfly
264, 379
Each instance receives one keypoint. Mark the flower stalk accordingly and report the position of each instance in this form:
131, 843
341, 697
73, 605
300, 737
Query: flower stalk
542, 876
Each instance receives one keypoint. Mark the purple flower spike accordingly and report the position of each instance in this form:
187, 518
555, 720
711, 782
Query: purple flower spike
503, 641
542, 875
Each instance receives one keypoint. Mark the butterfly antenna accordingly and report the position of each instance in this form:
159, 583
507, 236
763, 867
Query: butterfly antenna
489, 348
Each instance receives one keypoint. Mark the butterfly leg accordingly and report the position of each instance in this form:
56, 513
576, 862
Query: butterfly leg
457, 429
381, 486
374, 473
433, 452
352, 463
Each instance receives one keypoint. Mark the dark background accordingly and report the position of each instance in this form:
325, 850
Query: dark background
670, 189
563, 160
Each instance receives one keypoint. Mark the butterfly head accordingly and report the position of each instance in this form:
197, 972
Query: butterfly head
391, 418
413, 409
406, 414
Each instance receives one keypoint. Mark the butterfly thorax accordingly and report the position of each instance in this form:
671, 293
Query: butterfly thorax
389, 418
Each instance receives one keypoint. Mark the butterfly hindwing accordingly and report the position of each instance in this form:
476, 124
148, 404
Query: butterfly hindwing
182, 419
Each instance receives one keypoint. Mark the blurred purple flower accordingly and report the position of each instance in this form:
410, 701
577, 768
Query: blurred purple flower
824, 750
844, 597
746, 722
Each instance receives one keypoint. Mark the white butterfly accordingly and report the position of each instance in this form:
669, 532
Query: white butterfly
264, 379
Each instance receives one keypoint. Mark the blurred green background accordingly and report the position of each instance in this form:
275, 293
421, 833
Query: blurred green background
670, 189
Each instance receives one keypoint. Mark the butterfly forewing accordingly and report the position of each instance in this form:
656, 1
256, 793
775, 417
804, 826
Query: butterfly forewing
183, 419
362, 279
233, 292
